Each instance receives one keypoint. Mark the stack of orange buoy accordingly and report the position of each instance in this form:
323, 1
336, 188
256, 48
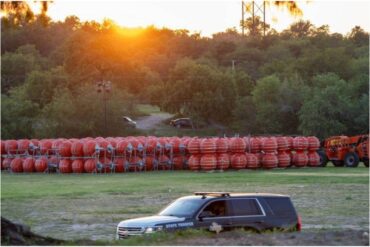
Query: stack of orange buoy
223, 158
300, 145
313, 146
193, 148
283, 157
238, 158
208, 160
269, 147
140, 153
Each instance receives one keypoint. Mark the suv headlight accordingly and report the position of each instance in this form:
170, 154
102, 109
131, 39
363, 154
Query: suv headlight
153, 229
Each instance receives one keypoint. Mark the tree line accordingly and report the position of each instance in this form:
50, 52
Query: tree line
303, 80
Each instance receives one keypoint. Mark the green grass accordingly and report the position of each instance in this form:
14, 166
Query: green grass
147, 109
90, 206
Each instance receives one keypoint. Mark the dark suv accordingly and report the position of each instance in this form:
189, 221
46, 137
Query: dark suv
217, 211
182, 123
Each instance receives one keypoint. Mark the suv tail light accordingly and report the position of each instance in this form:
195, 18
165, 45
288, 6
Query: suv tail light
299, 223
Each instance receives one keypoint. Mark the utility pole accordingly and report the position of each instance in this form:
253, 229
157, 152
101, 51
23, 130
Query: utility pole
243, 9
104, 87
233, 65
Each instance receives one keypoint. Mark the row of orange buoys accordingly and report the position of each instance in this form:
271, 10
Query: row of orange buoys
122, 154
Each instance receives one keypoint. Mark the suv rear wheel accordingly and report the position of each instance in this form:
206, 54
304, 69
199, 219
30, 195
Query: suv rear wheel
351, 159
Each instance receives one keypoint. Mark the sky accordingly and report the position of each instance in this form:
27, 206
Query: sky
208, 17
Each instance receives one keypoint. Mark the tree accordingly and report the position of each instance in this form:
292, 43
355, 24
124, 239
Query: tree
277, 104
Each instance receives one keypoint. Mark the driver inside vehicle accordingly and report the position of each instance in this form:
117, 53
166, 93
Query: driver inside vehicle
215, 209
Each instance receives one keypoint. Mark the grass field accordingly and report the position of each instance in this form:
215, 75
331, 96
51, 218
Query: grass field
90, 206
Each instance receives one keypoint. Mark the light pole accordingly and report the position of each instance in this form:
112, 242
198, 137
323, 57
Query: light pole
104, 87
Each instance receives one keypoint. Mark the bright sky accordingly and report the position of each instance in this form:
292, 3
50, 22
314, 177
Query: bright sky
209, 17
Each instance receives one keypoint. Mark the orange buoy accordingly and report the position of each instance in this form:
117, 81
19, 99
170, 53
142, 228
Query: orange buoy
90, 165
237, 145
6, 163
208, 162
300, 159
300, 143
282, 143
193, 146
255, 144
45, 146
283, 159
313, 143
178, 162
89, 149
119, 165
222, 145
269, 145
194, 162
269, 161
252, 161
223, 161
65, 149
41, 164
238, 161
78, 166
77, 149
29, 165
23, 146
208, 146
11, 146
17, 165
313, 159
65, 166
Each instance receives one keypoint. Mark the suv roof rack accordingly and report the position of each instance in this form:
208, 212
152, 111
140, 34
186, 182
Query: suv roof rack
220, 194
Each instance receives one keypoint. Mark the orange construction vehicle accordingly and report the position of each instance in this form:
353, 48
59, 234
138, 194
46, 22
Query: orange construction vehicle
345, 151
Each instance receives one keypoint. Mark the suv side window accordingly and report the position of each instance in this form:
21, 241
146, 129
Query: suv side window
246, 207
216, 209
280, 206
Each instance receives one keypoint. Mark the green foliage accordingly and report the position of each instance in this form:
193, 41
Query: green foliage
81, 113
281, 82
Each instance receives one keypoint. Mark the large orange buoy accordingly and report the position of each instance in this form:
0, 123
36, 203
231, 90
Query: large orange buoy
78, 166
150, 163
45, 146
282, 143
208, 162
6, 163
77, 149
65, 149
255, 144
290, 142
89, 148
283, 159
163, 161
23, 146
300, 143
222, 145
17, 165
194, 162
150, 145
56, 145
208, 146
223, 161
41, 164
137, 162
65, 166
252, 161
269, 161
178, 162
90, 165
313, 143
300, 159
119, 165
177, 145
11, 146
194, 146
313, 159
29, 165
106, 162
237, 145
269, 145
238, 161
124, 146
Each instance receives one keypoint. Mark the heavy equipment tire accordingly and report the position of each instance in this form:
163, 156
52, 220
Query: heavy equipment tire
351, 159
338, 163
323, 158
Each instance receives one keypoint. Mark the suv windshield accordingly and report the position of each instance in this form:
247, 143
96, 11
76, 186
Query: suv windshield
182, 208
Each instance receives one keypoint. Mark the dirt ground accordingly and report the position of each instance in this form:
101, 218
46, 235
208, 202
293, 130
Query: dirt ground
342, 237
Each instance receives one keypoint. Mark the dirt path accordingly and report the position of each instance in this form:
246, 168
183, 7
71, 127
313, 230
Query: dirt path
150, 122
